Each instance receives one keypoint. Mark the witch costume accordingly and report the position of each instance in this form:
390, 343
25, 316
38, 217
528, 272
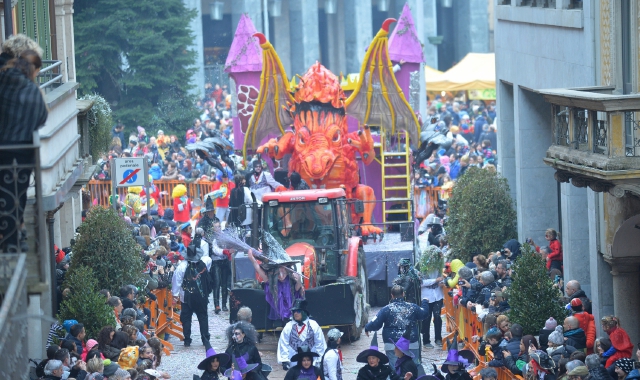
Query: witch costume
296, 334
205, 365
409, 280
247, 348
380, 372
205, 222
191, 281
405, 364
460, 359
298, 372
241, 367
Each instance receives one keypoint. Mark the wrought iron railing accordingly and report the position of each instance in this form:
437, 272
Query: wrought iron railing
632, 134
50, 75
14, 361
580, 129
600, 127
561, 123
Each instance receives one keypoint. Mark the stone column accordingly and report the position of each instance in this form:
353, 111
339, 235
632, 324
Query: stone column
575, 243
281, 37
64, 39
358, 32
471, 22
336, 61
506, 137
536, 188
600, 271
430, 23
626, 293
197, 78
252, 7
305, 39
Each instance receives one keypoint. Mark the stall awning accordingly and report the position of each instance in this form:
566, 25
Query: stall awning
476, 71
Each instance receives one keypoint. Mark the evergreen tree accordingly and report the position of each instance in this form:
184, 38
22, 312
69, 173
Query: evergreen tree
135, 54
106, 245
85, 304
532, 297
481, 214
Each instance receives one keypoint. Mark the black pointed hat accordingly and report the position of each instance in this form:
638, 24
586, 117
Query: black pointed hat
211, 354
208, 205
304, 352
372, 351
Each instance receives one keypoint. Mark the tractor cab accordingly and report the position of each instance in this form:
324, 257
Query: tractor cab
317, 218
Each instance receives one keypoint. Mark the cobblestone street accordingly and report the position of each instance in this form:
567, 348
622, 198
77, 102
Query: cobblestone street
183, 360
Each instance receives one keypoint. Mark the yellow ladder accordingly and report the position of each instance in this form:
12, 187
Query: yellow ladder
396, 176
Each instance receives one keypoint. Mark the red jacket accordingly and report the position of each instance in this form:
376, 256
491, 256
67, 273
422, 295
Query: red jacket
589, 326
555, 254
621, 342
184, 215
223, 202
186, 238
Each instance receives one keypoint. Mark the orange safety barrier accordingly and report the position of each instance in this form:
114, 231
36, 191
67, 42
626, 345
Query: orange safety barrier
100, 190
164, 320
467, 324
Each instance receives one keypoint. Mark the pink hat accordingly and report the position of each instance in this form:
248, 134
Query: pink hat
550, 324
91, 343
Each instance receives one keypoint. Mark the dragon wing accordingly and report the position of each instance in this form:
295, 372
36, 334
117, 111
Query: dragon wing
378, 99
271, 113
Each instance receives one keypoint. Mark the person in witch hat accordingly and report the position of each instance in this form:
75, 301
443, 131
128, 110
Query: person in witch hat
456, 362
300, 331
212, 365
376, 364
281, 286
404, 363
191, 282
241, 370
304, 369
208, 218
242, 338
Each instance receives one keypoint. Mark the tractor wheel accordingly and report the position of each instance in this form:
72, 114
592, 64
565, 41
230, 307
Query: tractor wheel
361, 299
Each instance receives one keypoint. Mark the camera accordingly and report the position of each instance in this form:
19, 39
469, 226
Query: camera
493, 296
461, 282
636, 365
503, 252
557, 279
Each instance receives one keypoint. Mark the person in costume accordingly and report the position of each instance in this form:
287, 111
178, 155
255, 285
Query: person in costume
208, 218
222, 202
242, 342
192, 284
132, 201
404, 363
212, 365
220, 269
304, 369
181, 204
281, 286
456, 362
540, 367
155, 196
185, 232
300, 331
409, 280
376, 364
242, 370
332, 358
241, 213
261, 182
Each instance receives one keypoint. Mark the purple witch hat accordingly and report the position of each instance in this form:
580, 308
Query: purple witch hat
240, 366
403, 343
211, 355
460, 358
372, 351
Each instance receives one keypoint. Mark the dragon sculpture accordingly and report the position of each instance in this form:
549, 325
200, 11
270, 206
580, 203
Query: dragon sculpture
321, 148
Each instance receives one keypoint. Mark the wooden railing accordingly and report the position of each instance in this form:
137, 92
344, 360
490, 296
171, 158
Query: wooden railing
164, 319
467, 324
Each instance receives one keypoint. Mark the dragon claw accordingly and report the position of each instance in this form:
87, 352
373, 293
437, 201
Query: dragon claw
266, 150
275, 149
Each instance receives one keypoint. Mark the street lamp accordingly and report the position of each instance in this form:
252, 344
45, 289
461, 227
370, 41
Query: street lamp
383, 5
330, 6
217, 9
275, 8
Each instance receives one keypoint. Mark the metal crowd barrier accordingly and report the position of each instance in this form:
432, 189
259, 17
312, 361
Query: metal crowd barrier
164, 319
467, 324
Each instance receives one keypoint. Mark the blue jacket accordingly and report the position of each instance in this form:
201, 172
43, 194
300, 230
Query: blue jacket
635, 374
75, 340
394, 318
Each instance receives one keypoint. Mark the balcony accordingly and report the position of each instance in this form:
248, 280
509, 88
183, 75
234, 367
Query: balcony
13, 322
596, 139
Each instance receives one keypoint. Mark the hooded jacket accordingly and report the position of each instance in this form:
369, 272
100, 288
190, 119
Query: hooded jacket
588, 325
514, 247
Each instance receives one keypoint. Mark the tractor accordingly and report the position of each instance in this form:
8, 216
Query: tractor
314, 227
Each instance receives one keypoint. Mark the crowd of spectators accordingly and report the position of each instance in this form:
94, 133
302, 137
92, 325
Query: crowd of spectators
472, 130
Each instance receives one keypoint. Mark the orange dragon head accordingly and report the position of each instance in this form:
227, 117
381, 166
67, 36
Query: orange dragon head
319, 120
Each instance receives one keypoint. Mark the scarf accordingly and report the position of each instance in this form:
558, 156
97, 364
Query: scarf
399, 362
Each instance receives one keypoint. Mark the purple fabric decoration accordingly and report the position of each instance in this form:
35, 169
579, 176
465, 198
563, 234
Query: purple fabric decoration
281, 311
404, 42
399, 363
